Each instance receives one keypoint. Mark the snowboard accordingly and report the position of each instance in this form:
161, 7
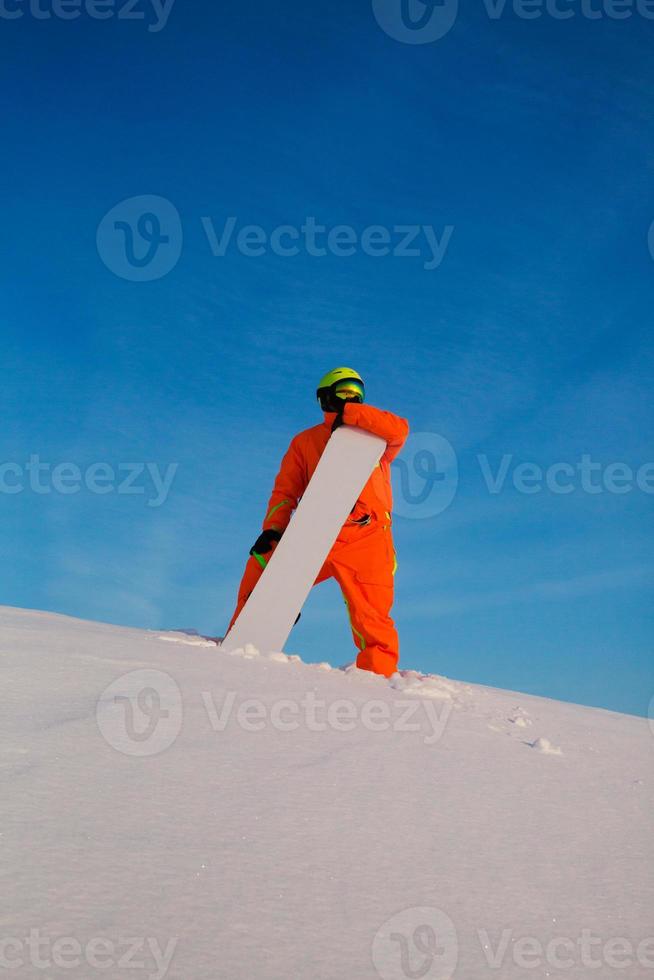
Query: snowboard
273, 607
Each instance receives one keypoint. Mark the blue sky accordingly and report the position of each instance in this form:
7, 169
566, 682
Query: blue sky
530, 139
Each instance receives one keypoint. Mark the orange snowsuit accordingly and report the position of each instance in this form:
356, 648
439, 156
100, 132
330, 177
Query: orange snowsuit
362, 559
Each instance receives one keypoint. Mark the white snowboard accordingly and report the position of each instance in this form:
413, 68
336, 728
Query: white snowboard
341, 474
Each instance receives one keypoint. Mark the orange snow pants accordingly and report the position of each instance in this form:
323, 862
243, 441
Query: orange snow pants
362, 561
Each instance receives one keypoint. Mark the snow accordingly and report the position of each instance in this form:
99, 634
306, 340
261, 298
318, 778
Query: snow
168, 809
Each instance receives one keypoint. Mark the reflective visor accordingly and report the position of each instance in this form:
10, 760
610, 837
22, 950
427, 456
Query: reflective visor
349, 389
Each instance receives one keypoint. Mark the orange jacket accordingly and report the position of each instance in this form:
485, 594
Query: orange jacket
306, 449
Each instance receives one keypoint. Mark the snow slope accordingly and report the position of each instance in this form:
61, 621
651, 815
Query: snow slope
171, 810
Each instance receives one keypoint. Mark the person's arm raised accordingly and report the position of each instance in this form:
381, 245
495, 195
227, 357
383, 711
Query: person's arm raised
387, 426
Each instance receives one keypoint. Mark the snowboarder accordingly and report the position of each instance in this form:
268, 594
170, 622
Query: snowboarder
362, 559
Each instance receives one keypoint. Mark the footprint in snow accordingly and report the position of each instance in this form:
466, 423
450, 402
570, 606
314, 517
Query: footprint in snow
544, 746
517, 718
520, 718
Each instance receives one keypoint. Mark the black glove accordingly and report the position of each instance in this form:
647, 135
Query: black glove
339, 420
264, 542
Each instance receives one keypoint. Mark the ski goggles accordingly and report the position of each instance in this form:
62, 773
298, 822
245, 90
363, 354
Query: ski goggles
349, 389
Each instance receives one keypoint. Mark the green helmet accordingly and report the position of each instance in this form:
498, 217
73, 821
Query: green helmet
337, 385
